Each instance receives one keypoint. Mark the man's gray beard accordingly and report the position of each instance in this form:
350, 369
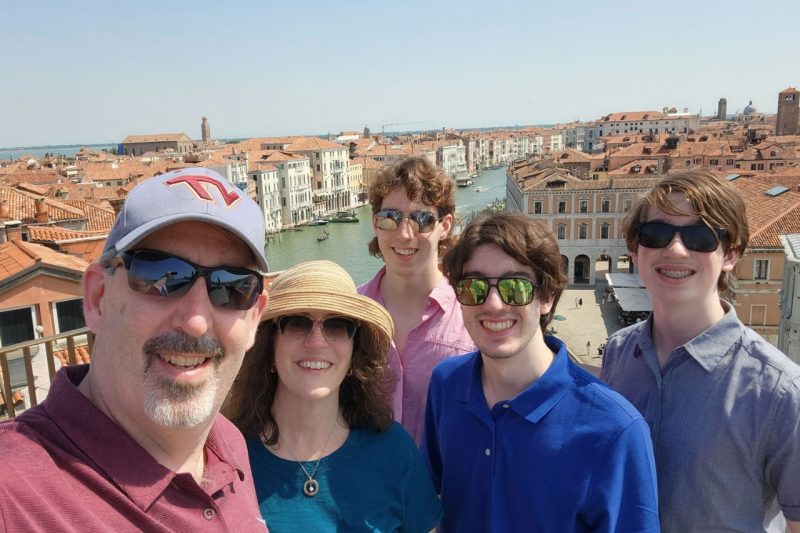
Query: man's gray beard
176, 405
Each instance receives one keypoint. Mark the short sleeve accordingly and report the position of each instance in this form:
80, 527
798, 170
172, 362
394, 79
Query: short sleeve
624, 495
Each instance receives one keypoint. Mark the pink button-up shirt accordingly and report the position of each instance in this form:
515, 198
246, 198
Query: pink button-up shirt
440, 334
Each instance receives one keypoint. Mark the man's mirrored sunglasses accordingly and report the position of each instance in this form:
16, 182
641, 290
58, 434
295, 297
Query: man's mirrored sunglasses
162, 274
695, 237
335, 328
513, 291
420, 221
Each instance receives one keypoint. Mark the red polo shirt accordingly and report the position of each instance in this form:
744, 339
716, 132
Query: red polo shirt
65, 466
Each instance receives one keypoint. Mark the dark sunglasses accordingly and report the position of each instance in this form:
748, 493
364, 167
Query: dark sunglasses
513, 291
695, 237
335, 328
162, 274
420, 221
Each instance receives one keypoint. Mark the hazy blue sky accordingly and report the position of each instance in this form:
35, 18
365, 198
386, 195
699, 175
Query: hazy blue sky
94, 72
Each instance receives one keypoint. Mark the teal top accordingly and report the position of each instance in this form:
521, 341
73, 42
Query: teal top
374, 482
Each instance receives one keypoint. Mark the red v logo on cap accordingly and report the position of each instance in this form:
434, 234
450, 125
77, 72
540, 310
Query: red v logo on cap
196, 183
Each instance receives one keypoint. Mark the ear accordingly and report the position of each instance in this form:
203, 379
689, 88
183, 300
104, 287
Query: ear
447, 225
729, 260
546, 305
94, 287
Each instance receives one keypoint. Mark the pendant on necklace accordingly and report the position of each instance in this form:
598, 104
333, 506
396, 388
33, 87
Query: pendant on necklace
310, 488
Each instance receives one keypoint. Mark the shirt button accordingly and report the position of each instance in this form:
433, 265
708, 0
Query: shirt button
209, 513
488, 451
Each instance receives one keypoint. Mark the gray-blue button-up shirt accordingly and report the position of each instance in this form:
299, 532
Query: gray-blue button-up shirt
724, 415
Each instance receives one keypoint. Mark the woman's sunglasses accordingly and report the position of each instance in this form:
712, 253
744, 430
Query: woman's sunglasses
335, 328
695, 237
420, 221
513, 291
162, 274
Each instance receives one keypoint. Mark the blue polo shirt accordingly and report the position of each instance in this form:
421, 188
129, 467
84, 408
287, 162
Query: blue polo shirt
566, 454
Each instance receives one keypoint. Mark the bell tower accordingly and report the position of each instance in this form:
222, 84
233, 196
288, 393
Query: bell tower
205, 130
788, 112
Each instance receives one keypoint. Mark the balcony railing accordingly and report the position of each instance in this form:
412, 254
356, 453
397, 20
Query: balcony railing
63, 346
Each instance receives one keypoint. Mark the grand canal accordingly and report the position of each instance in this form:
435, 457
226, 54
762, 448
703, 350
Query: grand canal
347, 244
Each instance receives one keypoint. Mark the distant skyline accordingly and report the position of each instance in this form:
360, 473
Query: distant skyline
94, 72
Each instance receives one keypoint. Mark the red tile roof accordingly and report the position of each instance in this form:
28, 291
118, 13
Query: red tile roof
18, 256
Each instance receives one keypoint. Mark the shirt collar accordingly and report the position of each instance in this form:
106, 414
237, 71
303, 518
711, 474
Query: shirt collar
712, 345
109, 449
538, 398
708, 348
442, 294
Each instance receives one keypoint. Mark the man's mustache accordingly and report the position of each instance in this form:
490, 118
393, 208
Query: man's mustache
179, 342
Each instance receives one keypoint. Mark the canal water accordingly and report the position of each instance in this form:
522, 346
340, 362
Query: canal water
347, 244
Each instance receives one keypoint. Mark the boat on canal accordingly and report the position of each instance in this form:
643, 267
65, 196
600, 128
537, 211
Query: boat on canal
345, 216
318, 222
464, 182
323, 236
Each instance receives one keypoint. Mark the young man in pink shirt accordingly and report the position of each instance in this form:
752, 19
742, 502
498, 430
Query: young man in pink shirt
413, 204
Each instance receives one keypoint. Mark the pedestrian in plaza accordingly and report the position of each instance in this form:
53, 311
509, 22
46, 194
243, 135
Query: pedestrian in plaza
325, 452
588, 347
722, 403
517, 436
580, 303
413, 205
133, 441
577, 300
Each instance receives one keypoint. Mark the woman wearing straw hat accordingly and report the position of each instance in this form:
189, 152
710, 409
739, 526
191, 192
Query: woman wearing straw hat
312, 402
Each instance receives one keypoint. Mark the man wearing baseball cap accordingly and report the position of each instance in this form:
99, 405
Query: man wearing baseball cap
134, 442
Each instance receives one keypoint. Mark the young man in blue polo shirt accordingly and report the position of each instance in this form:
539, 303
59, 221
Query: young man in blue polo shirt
723, 404
518, 438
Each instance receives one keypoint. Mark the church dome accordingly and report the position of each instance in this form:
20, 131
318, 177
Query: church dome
750, 109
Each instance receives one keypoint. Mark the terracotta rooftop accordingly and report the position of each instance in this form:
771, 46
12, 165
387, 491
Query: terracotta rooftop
633, 116
56, 234
82, 355
156, 137
18, 256
21, 206
769, 215
99, 219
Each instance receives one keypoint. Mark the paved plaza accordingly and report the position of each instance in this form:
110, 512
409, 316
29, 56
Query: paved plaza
590, 323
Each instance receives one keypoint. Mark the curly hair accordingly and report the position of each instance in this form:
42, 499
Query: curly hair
525, 240
363, 395
423, 182
714, 201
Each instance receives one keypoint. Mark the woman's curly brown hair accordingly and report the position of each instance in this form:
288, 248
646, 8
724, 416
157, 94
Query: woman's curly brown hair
363, 395
423, 182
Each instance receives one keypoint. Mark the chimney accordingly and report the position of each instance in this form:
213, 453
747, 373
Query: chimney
41, 211
13, 231
116, 203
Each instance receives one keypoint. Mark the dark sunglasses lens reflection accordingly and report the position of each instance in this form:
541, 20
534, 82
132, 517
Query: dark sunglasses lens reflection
512, 291
159, 274
695, 237
420, 221
335, 328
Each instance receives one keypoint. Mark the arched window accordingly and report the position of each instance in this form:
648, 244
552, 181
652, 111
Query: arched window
582, 231
605, 228
561, 231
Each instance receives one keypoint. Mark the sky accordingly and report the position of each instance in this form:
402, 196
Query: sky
91, 72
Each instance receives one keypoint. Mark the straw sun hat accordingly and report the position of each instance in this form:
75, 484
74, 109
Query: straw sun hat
325, 286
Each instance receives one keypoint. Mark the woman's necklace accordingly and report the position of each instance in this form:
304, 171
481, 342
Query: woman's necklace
311, 485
